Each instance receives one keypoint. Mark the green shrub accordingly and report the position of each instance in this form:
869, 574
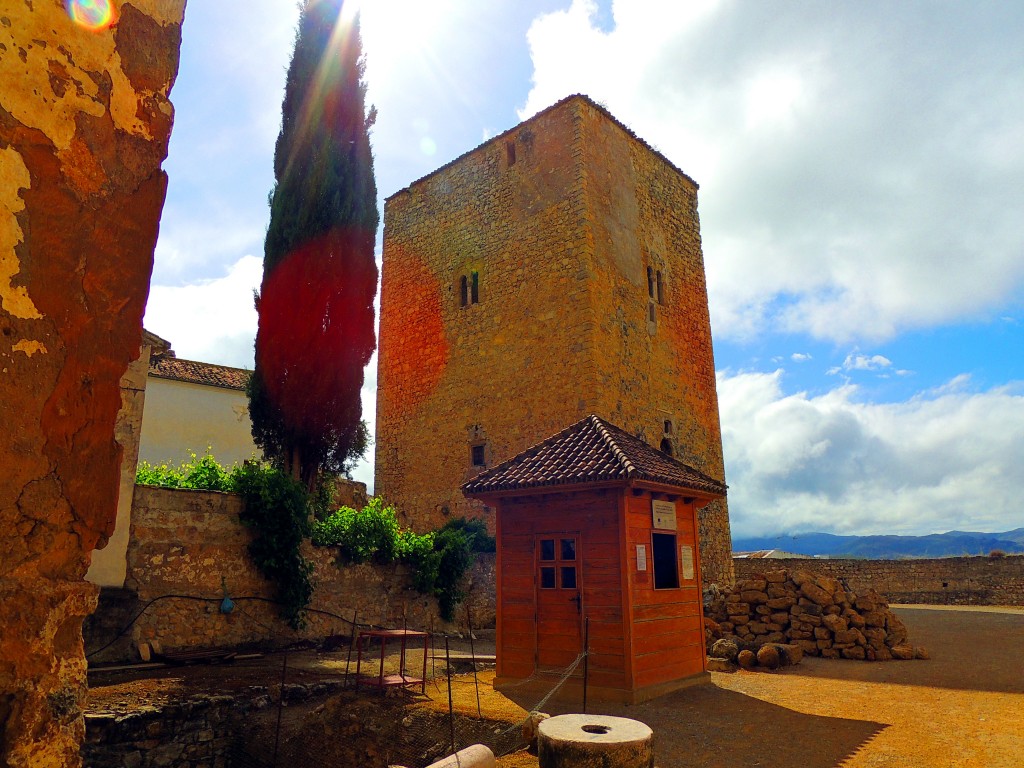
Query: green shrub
202, 473
276, 508
368, 534
475, 531
322, 497
456, 558
417, 551
437, 560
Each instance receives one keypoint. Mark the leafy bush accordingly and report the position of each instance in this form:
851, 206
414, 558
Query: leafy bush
202, 473
417, 551
322, 496
370, 534
438, 560
456, 558
276, 507
475, 531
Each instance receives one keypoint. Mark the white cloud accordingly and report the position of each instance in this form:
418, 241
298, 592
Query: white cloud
946, 459
800, 357
857, 163
211, 320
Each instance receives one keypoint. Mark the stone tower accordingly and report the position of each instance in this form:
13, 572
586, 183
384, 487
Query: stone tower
552, 272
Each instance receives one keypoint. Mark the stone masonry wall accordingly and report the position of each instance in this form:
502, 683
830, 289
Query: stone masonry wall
504, 372
642, 214
560, 218
84, 124
185, 543
939, 581
196, 733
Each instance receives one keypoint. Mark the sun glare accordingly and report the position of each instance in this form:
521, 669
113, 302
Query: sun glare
94, 15
399, 30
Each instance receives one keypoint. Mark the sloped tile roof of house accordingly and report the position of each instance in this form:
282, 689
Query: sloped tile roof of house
590, 451
194, 372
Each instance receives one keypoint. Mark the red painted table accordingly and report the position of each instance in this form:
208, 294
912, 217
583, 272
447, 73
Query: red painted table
381, 680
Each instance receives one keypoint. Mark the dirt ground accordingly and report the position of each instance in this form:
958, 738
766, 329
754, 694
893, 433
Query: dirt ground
963, 707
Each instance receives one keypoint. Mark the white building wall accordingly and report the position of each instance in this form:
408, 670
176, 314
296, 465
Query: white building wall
179, 417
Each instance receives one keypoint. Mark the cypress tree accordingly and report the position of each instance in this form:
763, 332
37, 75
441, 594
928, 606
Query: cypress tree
315, 304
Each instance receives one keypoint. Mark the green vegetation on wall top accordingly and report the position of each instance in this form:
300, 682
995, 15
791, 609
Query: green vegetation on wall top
280, 510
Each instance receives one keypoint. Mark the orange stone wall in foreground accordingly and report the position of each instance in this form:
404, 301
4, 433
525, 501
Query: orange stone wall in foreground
84, 124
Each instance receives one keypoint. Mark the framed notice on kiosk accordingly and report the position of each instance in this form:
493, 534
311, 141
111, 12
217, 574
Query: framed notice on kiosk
664, 514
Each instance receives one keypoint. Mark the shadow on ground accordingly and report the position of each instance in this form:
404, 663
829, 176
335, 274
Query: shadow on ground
710, 726
971, 650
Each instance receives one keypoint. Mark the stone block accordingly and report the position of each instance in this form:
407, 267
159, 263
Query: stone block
834, 623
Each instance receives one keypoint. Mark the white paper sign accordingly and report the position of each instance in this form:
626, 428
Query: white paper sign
686, 559
664, 514
641, 557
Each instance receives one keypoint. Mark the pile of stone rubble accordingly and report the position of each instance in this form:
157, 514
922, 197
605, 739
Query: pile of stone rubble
818, 615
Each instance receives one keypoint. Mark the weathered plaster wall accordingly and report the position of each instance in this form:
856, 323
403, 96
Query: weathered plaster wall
187, 542
560, 218
937, 581
180, 417
84, 123
108, 568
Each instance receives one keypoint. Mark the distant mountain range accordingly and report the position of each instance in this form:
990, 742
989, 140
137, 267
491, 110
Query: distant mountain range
950, 544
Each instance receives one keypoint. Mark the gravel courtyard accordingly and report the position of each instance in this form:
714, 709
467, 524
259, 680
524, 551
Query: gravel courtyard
963, 707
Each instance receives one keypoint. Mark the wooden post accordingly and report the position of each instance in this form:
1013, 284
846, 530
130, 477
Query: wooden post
280, 705
351, 645
586, 659
472, 653
451, 709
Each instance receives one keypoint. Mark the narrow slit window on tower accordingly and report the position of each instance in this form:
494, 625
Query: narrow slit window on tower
477, 456
661, 290
474, 296
510, 152
650, 282
651, 316
666, 446
668, 426
463, 291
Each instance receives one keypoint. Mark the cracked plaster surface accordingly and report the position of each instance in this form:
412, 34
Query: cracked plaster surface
84, 124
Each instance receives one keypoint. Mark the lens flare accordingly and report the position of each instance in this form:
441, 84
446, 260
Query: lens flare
94, 15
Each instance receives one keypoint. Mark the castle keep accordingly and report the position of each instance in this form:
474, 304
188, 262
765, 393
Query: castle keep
553, 272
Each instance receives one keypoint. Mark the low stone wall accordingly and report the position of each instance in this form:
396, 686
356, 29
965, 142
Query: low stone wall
187, 548
197, 733
820, 615
940, 581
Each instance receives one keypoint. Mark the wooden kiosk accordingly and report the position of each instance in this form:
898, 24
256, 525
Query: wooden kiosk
597, 533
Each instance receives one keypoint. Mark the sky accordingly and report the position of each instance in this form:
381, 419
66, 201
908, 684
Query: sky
861, 171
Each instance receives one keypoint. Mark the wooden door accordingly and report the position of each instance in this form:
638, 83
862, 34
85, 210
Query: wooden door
558, 564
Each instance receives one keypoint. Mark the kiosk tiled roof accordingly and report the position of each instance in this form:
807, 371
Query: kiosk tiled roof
590, 451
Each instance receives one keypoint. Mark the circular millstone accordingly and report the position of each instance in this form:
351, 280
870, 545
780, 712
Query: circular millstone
594, 741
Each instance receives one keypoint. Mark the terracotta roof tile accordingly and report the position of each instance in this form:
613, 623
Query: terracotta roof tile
194, 372
590, 451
